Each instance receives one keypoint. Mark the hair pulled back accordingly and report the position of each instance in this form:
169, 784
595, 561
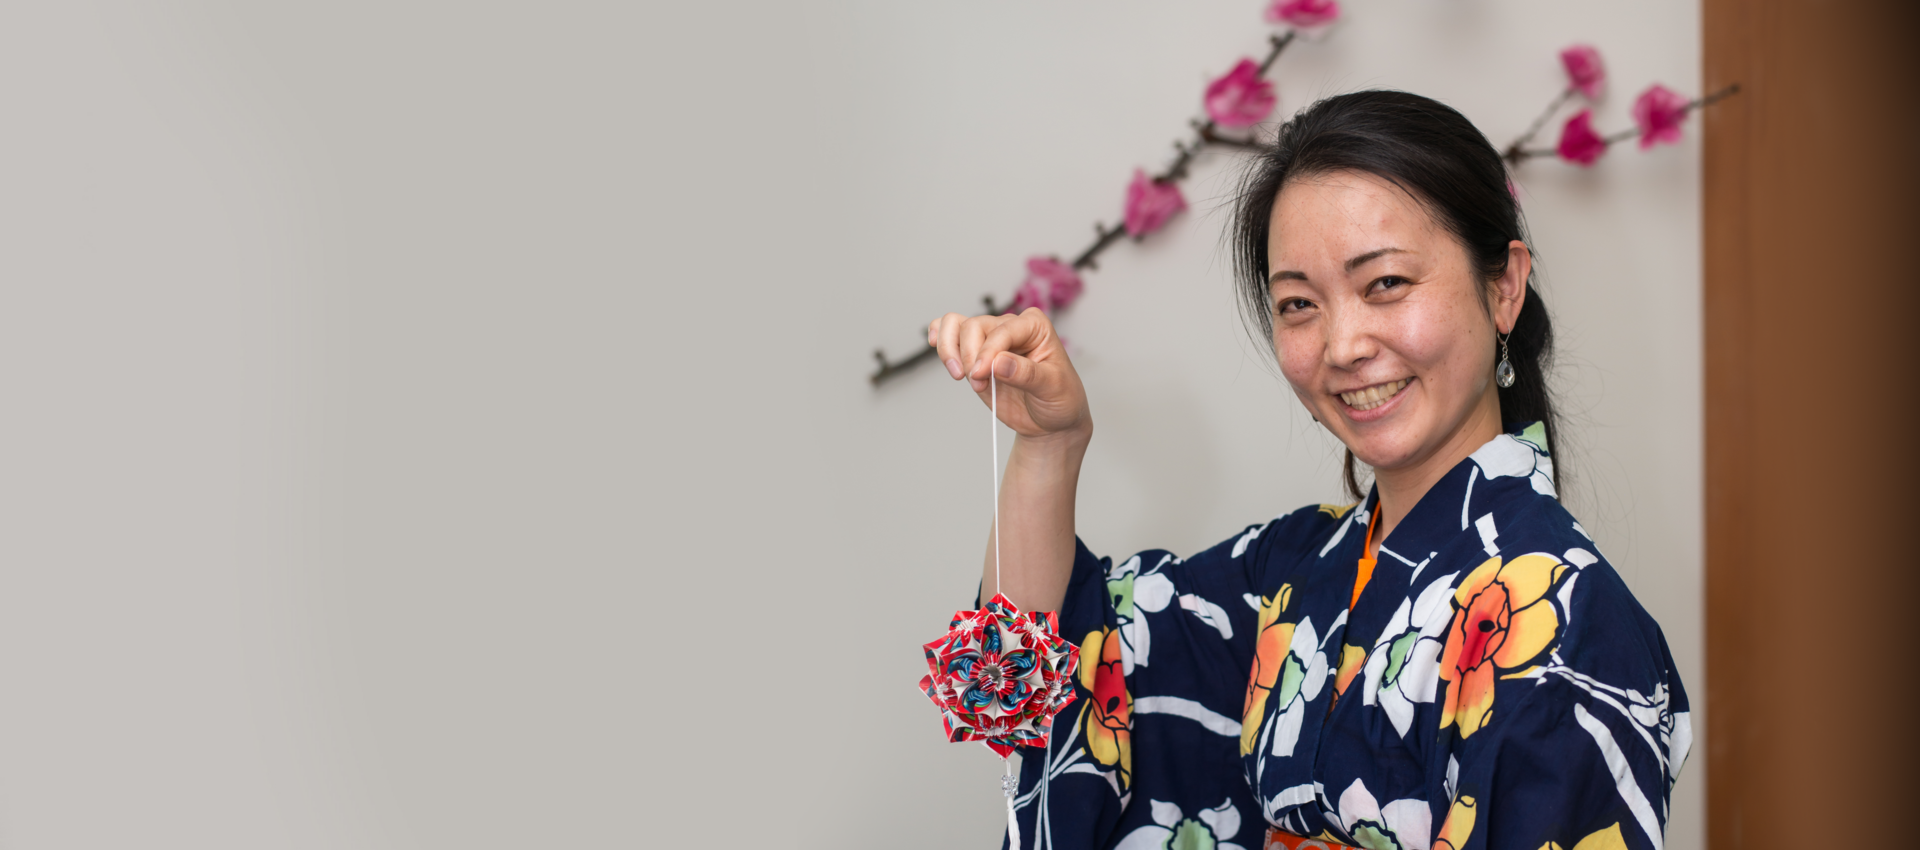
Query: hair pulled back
1435, 154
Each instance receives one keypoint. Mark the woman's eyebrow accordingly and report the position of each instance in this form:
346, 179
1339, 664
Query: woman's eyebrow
1370, 256
1356, 262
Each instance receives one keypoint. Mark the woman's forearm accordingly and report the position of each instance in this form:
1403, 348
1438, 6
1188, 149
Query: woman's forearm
1036, 509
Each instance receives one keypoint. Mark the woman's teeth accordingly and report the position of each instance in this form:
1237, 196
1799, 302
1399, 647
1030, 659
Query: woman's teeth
1373, 397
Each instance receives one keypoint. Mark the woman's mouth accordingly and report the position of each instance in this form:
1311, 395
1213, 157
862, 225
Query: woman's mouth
1374, 396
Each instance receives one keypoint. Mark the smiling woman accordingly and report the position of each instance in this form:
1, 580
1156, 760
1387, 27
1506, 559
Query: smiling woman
1449, 661
1447, 224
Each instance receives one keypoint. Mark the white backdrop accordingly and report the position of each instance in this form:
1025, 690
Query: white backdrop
440, 424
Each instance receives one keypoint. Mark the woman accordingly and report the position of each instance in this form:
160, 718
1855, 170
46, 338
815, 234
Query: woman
1450, 662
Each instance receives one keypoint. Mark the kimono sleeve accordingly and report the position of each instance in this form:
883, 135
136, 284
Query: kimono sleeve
1589, 749
1151, 747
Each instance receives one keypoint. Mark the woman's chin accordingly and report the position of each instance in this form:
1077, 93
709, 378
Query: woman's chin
1386, 449
1381, 461
1384, 436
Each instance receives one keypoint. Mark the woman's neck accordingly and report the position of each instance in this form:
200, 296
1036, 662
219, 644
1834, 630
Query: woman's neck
1402, 488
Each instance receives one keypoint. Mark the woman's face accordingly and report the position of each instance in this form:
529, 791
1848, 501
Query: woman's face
1383, 328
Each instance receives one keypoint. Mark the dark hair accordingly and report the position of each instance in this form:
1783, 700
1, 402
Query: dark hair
1434, 153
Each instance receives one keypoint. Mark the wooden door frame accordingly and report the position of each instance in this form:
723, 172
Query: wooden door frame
1811, 182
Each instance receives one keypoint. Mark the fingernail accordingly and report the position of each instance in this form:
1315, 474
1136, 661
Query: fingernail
1005, 369
953, 368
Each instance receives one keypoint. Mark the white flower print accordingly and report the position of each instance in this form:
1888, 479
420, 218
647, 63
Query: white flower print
1507, 457
1302, 676
1209, 613
1134, 594
1209, 829
1399, 825
1404, 666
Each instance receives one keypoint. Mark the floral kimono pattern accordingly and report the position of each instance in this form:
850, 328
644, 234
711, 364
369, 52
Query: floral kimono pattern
1495, 686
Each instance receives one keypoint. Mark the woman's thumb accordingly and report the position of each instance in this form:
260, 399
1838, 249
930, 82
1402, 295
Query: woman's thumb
1015, 371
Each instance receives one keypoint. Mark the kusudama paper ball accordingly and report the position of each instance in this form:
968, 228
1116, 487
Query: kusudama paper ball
999, 676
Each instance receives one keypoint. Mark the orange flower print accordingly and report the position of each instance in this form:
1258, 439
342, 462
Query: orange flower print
1458, 826
1603, 839
1501, 620
1269, 653
1110, 713
1351, 659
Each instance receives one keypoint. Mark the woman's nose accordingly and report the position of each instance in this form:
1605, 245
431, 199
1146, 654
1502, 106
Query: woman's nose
1350, 341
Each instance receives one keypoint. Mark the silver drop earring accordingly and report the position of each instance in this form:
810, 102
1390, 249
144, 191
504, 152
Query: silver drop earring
1503, 373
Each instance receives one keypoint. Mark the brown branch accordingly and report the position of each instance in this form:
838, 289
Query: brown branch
1514, 153
1213, 137
1279, 43
1205, 133
889, 369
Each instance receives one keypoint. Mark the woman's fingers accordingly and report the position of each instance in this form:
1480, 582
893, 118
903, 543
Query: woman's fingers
946, 342
1023, 354
1027, 339
1026, 334
1014, 371
994, 337
967, 346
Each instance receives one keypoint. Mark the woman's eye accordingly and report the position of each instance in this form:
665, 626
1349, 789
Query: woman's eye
1292, 305
1389, 282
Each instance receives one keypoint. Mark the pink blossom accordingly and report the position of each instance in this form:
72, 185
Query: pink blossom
1150, 203
1304, 14
1050, 285
1584, 70
1578, 142
1029, 295
1660, 111
1241, 98
1062, 282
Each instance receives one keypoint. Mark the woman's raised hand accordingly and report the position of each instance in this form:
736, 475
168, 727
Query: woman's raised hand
1040, 393
1042, 400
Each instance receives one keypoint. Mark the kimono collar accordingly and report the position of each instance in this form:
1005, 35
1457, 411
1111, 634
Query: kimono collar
1448, 507
1512, 467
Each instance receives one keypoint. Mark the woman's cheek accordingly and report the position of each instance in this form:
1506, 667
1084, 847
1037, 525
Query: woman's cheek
1429, 340
1299, 361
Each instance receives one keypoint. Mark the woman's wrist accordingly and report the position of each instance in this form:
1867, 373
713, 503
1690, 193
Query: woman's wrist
1060, 451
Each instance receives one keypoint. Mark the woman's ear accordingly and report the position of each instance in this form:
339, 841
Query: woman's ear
1510, 289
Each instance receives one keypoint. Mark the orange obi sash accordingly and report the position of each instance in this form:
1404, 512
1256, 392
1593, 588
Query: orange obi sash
1277, 840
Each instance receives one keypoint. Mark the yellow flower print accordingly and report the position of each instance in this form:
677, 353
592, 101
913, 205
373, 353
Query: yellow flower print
1337, 511
1458, 826
1109, 724
1271, 639
1501, 621
1602, 839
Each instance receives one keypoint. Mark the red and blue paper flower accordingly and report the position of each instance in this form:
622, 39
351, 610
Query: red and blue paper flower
999, 676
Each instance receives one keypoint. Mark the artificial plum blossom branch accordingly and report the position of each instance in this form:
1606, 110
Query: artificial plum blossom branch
1240, 99
1658, 114
1309, 17
1586, 76
1243, 97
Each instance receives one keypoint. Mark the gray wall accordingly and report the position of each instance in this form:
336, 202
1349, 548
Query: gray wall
445, 424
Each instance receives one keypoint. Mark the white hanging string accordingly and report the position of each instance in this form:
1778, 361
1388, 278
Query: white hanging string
1008, 784
993, 426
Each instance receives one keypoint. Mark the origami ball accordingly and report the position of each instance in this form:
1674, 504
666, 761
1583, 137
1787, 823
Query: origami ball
999, 676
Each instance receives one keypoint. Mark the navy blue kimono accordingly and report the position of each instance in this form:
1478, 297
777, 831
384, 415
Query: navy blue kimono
1495, 686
